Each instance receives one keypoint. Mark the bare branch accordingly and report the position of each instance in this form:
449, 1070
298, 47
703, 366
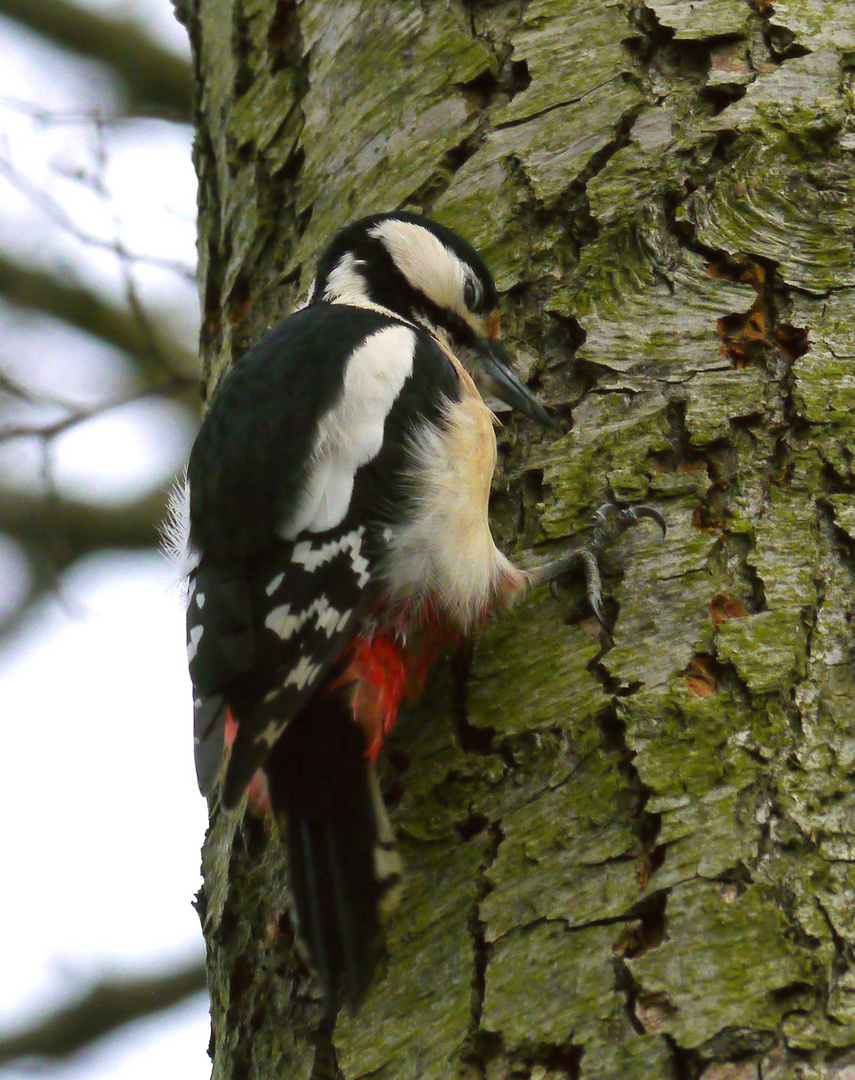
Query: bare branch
54, 533
78, 528
60, 217
75, 415
158, 82
105, 1007
92, 313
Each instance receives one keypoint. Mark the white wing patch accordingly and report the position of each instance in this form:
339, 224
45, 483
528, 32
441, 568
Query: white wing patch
303, 673
275, 583
310, 296
307, 555
285, 623
193, 639
351, 433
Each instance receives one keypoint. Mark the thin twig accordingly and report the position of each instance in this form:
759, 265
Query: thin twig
53, 210
106, 1006
172, 385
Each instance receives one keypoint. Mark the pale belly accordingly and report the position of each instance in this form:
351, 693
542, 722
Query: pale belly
445, 553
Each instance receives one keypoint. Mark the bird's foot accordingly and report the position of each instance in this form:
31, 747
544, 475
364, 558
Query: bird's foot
607, 525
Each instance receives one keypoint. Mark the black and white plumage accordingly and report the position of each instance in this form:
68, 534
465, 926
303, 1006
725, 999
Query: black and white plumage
338, 494
290, 494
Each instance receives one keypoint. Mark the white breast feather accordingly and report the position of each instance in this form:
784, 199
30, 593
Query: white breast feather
351, 433
445, 551
175, 529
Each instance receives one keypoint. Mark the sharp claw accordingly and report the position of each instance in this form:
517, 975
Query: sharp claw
593, 584
622, 517
652, 513
598, 612
602, 512
608, 522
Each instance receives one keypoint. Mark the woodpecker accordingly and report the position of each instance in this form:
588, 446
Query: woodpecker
338, 535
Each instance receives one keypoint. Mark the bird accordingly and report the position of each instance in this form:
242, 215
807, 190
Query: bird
336, 530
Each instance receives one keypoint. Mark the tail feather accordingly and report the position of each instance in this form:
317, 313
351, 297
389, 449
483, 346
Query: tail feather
342, 858
353, 963
388, 868
310, 922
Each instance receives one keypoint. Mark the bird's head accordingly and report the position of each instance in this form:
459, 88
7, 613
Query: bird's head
427, 274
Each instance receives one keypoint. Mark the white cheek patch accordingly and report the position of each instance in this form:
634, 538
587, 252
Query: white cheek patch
426, 262
351, 433
345, 283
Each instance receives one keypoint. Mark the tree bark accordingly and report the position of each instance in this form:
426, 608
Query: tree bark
629, 857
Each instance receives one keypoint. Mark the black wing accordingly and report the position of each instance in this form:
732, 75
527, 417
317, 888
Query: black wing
268, 616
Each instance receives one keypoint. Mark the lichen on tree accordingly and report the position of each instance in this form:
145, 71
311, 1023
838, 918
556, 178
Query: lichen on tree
627, 857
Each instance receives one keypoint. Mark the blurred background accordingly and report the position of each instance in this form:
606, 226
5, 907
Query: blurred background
102, 822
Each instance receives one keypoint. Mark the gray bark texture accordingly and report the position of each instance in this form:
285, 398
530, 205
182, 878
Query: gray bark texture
631, 858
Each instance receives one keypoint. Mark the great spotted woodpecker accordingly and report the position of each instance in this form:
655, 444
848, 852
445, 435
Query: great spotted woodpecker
338, 532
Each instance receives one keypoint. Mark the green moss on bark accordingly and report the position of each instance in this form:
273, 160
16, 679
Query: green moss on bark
627, 856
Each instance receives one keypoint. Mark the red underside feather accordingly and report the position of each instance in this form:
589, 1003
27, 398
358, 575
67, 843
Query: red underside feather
384, 672
381, 670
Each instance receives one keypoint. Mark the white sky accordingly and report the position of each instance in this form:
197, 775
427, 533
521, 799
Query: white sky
102, 818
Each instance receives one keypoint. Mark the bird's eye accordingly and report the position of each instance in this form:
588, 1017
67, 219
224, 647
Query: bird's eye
472, 294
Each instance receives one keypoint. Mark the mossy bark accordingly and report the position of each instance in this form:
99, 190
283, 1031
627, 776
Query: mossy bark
627, 858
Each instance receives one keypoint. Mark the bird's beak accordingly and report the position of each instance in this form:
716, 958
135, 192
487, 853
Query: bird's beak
493, 373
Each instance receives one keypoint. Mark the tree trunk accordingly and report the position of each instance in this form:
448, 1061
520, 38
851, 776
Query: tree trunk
629, 858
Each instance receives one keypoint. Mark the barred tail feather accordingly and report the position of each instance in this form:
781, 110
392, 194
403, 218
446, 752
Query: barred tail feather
343, 863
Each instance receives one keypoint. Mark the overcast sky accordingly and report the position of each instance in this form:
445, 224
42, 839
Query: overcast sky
102, 818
